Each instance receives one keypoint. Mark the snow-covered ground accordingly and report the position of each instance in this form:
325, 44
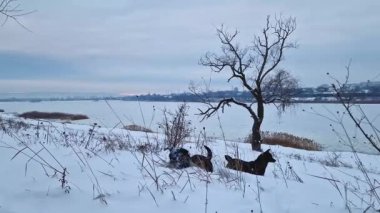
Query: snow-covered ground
115, 170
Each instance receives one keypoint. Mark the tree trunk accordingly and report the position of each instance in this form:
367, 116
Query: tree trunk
256, 137
256, 133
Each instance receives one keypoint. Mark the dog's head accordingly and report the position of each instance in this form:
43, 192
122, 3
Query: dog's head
177, 154
179, 158
268, 156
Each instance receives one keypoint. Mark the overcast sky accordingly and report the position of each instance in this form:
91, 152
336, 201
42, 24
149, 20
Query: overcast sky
134, 46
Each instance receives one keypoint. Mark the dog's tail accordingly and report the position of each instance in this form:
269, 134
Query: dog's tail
228, 158
209, 152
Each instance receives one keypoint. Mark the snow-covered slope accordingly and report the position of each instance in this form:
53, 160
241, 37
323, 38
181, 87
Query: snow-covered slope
115, 170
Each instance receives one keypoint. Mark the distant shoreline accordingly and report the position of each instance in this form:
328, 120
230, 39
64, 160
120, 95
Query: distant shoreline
36, 100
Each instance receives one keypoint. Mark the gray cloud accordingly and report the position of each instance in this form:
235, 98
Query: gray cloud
124, 46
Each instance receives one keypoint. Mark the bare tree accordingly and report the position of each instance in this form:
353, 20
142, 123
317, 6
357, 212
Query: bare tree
256, 68
10, 9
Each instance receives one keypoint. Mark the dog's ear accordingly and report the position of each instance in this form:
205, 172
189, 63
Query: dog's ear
267, 150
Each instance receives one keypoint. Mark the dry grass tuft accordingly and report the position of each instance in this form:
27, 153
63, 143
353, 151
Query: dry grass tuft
53, 115
288, 140
134, 127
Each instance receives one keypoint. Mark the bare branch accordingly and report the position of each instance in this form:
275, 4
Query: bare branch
346, 106
10, 10
280, 87
212, 109
344, 99
281, 31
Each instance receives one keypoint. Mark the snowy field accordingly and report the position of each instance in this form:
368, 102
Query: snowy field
115, 170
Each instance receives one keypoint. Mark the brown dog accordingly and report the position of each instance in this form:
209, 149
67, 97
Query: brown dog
256, 167
203, 162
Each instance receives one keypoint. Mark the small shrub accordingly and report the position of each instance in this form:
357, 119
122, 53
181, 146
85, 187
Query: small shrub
112, 145
13, 125
53, 115
176, 127
288, 140
334, 160
290, 174
2, 125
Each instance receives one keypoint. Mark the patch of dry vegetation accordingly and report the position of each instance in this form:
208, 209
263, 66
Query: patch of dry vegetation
134, 127
53, 115
288, 140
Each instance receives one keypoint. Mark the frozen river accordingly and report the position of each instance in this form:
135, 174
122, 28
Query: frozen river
235, 122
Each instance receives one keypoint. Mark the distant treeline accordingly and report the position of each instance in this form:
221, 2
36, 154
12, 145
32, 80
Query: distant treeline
246, 96
365, 92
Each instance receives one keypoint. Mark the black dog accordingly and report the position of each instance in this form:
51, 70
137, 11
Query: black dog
179, 158
203, 162
256, 167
